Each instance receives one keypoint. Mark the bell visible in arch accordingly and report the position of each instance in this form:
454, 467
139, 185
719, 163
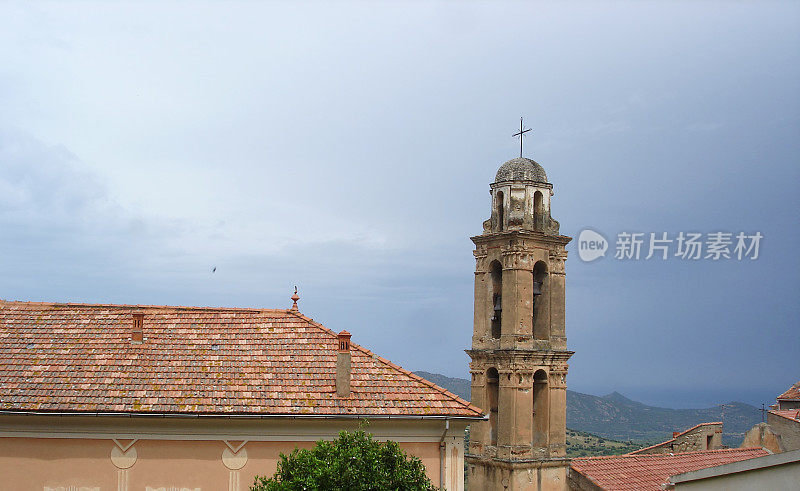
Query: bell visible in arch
497, 307
537, 288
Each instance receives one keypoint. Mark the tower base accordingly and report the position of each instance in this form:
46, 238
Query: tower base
516, 475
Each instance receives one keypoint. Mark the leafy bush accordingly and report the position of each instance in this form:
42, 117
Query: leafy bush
353, 461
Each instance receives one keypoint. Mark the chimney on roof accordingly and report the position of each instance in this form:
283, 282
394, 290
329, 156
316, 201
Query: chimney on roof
675, 433
137, 331
343, 365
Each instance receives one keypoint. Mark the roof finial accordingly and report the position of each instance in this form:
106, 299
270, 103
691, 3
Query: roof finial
295, 298
520, 135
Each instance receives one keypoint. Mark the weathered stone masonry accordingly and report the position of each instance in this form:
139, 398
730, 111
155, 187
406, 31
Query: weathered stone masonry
519, 346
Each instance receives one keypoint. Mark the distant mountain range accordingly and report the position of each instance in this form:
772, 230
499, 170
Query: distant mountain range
616, 417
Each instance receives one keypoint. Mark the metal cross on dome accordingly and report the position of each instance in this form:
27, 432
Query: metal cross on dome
520, 135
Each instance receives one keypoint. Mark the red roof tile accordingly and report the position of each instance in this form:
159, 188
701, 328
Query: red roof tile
80, 358
787, 413
650, 471
792, 394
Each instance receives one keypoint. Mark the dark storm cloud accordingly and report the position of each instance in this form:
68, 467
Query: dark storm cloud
348, 150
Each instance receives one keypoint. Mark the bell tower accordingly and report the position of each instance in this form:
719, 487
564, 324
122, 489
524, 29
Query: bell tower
519, 346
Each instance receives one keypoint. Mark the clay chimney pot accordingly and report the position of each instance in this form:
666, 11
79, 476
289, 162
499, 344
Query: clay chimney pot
137, 329
343, 364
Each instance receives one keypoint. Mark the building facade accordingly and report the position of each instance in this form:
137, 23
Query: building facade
150, 398
781, 432
519, 346
698, 438
789, 399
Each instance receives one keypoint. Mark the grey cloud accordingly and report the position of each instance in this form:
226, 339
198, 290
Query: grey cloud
348, 149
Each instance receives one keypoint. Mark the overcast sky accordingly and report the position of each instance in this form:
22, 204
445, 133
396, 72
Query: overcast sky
347, 148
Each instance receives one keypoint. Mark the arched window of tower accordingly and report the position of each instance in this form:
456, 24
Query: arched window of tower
492, 393
538, 211
497, 299
540, 302
541, 406
500, 207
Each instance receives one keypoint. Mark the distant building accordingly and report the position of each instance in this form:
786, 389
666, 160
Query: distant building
786, 423
705, 436
114, 397
789, 399
648, 472
781, 433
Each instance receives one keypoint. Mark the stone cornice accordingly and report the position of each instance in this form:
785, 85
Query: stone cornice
517, 463
513, 354
167, 428
521, 184
555, 240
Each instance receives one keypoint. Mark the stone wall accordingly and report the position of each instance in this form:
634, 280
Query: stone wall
788, 429
761, 435
705, 436
579, 482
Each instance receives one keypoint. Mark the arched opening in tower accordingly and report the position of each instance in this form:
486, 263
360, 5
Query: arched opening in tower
500, 209
538, 211
540, 302
496, 270
541, 406
492, 396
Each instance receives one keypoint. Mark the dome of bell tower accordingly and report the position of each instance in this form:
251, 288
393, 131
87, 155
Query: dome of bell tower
521, 169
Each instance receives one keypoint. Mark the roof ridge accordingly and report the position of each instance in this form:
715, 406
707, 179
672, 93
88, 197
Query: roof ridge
672, 454
395, 366
694, 428
136, 306
636, 452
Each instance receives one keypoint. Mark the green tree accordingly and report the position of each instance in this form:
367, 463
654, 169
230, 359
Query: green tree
353, 461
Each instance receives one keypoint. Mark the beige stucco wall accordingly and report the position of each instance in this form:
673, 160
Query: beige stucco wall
36, 455
35, 463
786, 476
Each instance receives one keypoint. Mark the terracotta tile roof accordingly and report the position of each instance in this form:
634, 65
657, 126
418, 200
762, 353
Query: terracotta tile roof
671, 440
80, 358
787, 413
650, 471
792, 394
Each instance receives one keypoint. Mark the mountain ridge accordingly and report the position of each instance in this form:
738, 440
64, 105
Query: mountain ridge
617, 417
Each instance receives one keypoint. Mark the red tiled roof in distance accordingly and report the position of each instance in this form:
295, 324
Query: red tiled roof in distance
793, 414
650, 471
197, 360
793, 394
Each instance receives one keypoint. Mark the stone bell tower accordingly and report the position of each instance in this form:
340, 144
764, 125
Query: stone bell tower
519, 347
